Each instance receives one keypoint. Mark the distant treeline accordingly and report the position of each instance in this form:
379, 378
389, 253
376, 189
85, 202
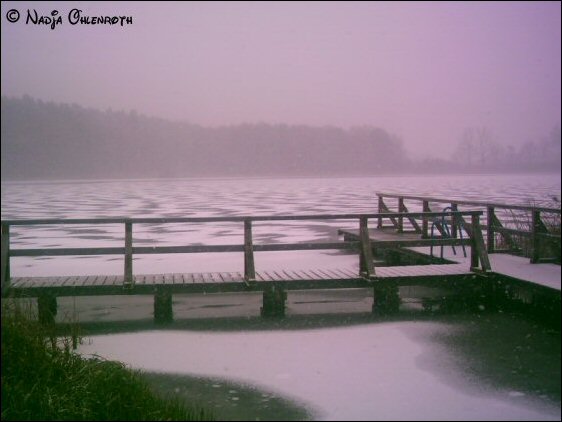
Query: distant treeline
44, 140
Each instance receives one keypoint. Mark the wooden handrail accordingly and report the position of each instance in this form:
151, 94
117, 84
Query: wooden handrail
538, 230
166, 220
472, 203
366, 264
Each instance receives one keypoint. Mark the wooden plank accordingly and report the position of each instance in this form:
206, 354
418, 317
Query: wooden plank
317, 274
5, 257
238, 277
166, 220
139, 279
101, 280
128, 271
177, 278
198, 278
272, 276
281, 275
214, 278
67, 251
290, 275
303, 275
347, 271
330, 274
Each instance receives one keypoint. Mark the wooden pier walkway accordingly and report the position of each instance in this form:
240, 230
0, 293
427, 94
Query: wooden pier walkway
466, 232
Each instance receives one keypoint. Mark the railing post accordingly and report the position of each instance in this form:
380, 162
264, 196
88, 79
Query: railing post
249, 268
163, 310
400, 217
381, 208
478, 248
454, 222
128, 281
536, 229
366, 266
425, 223
490, 229
475, 223
5, 257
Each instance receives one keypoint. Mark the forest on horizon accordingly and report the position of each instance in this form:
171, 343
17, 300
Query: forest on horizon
45, 140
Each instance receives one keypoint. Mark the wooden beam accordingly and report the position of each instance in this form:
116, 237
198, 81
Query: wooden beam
537, 227
123, 220
413, 221
454, 223
5, 257
381, 208
425, 224
390, 215
249, 268
128, 280
490, 214
470, 203
400, 218
479, 246
366, 265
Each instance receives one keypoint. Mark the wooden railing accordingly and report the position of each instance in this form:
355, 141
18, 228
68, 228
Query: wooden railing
248, 247
538, 233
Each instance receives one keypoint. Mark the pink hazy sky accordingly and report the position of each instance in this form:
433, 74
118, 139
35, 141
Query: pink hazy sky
423, 71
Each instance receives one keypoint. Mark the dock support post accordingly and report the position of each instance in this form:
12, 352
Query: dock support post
535, 230
386, 298
490, 218
47, 309
249, 268
478, 252
5, 257
366, 266
163, 312
128, 280
400, 217
454, 222
473, 245
381, 210
274, 298
425, 222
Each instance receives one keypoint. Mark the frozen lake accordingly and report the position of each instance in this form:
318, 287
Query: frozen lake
373, 370
225, 197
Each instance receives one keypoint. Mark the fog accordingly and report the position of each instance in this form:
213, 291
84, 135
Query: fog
439, 79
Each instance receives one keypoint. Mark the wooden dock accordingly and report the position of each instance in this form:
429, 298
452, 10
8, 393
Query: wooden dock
366, 242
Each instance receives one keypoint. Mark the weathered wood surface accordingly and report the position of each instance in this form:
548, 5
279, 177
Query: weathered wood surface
471, 203
225, 281
166, 220
391, 239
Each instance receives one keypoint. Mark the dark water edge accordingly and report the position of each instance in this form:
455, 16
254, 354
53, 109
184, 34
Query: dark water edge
227, 400
502, 351
490, 351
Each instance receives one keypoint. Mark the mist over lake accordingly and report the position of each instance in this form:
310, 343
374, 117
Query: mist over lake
365, 369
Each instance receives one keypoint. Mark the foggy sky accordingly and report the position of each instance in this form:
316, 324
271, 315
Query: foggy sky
422, 71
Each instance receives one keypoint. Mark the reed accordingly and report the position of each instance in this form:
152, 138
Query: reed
44, 379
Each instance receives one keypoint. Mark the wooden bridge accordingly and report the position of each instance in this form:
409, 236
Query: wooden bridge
274, 284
